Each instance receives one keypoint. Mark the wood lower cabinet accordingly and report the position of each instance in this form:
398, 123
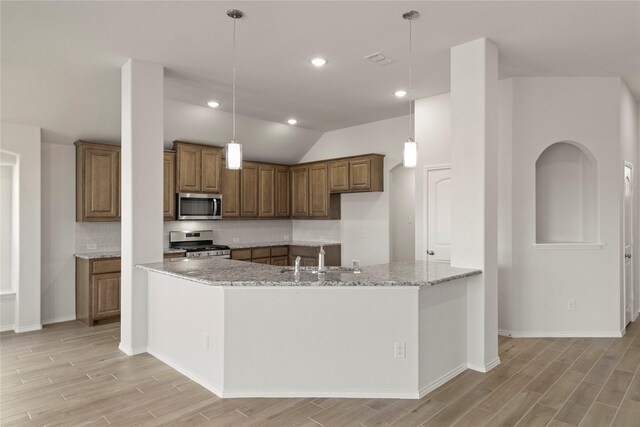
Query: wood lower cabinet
230, 193
266, 191
276, 255
169, 186
198, 168
98, 289
357, 174
309, 255
97, 182
248, 190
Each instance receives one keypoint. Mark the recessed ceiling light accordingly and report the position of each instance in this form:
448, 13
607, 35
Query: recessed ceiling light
213, 104
318, 62
400, 93
292, 121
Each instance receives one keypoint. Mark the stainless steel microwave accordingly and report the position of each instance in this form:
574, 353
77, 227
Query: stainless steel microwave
199, 206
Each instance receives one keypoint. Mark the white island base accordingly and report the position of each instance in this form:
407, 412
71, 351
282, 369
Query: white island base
310, 341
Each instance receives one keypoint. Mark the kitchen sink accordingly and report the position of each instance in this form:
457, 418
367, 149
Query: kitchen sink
314, 270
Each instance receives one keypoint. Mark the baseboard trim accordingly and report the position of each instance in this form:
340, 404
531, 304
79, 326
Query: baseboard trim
581, 334
131, 351
504, 333
7, 328
294, 393
635, 316
486, 368
442, 380
29, 328
59, 320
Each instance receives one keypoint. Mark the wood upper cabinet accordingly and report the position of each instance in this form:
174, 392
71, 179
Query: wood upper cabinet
198, 168
339, 176
97, 182
248, 190
318, 190
357, 174
282, 192
266, 190
169, 185
230, 193
211, 170
300, 191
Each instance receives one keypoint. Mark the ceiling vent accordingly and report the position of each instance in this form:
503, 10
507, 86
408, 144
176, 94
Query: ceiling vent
378, 59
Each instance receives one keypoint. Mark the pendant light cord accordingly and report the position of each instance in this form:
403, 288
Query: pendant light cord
411, 118
234, 80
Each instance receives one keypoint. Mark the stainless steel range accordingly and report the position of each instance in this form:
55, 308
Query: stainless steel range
198, 244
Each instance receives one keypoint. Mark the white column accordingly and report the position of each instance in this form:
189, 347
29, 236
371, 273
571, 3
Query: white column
142, 199
474, 107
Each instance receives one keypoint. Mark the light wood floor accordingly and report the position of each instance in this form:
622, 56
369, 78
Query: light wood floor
71, 375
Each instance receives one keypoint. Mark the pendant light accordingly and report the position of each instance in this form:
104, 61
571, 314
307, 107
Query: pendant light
233, 149
410, 152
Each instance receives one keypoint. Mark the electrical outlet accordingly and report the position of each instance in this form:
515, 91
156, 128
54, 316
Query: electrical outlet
91, 246
399, 350
205, 341
355, 262
236, 240
571, 305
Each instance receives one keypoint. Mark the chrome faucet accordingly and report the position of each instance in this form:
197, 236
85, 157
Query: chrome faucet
321, 267
297, 265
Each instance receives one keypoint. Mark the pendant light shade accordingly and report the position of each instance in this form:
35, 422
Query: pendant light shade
233, 149
234, 155
410, 154
410, 149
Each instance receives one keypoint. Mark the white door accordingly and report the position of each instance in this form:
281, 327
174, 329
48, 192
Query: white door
438, 212
628, 243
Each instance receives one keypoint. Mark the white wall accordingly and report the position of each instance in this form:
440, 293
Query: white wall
365, 216
629, 134
58, 227
433, 135
6, 187
24, 142
540, 282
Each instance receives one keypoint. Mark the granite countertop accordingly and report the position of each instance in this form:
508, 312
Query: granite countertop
116, 254
279, 243
225, 272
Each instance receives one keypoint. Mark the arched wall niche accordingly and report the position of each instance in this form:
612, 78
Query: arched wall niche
566, 195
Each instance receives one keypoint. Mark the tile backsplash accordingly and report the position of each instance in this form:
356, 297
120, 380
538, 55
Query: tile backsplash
104, 235
325, 230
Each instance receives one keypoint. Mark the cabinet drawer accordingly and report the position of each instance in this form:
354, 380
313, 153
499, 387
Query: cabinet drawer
171, 255
280, 251
241, 254
111, 265
260, 253
261, 260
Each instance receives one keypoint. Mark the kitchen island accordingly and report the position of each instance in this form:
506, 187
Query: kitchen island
395, 330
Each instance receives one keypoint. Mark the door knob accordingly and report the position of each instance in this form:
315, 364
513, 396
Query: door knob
627, 256
431, 253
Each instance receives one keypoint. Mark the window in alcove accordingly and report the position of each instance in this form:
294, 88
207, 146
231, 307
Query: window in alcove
566, 195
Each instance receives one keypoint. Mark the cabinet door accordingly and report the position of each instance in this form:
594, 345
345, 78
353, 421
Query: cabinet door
262, 260
339, 176
308, 262
230, 193
360, 174
267, 191
210, 170
105, 295
318, 190
189, 160
101, 183
249, 189
300, 191
282, 192
281, 261
169, 186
